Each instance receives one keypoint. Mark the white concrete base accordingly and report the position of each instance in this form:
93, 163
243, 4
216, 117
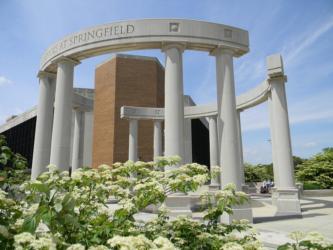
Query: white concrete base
239, 212
179, 205
245, 188
286, 201
214, 187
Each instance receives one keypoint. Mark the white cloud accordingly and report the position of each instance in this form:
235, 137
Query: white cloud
4, 81
305, 40
318, 107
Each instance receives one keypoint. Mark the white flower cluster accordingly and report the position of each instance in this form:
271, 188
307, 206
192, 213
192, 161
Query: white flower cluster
76, 247
4, 231
127, 205
28, 241
2, 194
52, 168
104, 209
140, 242
80, 173
99, 247
30, 210
42, 228
313, 237
232, 246
4, 200
149, 185
200, 179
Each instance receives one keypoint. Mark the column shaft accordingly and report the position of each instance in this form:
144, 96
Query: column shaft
227, 119
242, 167
174, 104
61, 134
133, 140
213, 148
43, 134
282, 144
157, 139
273, 141
78, 139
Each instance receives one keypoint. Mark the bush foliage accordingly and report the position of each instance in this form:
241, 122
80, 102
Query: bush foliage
13, 168
318, 170
58, 211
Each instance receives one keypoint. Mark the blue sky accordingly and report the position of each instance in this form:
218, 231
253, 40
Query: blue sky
302, 31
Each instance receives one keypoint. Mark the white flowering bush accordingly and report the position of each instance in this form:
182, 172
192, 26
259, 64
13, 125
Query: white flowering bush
58, 211
311, 240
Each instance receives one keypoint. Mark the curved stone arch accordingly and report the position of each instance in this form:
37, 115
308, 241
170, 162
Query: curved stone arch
145, 34
172, 36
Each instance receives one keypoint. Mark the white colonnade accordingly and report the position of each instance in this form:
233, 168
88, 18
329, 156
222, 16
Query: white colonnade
57, 103
225, 135
43, 135
172, 36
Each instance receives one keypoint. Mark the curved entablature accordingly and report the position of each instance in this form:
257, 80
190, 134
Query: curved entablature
244, 101
145, 34
147, 113
253, 97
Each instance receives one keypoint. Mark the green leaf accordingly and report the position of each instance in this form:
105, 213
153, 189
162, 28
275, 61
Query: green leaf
68, 202
58, 207
30, 224
40, 187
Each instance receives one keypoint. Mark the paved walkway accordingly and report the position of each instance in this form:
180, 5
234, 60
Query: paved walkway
317, 215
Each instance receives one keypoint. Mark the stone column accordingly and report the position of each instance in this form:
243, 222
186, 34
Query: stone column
227, 116
61, 134
285, 195
78, 139
213, 152
230, 157
43, 134
178, 203
245, 187
174, 104
133, 140
273, 141
157, 138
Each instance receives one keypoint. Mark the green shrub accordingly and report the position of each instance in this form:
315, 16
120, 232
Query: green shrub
13, 168
258, 173
318, 170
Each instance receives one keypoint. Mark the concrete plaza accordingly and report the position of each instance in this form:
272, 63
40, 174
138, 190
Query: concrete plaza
317, 215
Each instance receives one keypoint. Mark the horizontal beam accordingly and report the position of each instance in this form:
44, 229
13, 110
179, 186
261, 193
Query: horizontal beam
247, 100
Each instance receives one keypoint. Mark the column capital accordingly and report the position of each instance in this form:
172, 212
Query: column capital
281, 78
167, 45
222, 50
211, 117
44, 74
67, 59
274, 66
